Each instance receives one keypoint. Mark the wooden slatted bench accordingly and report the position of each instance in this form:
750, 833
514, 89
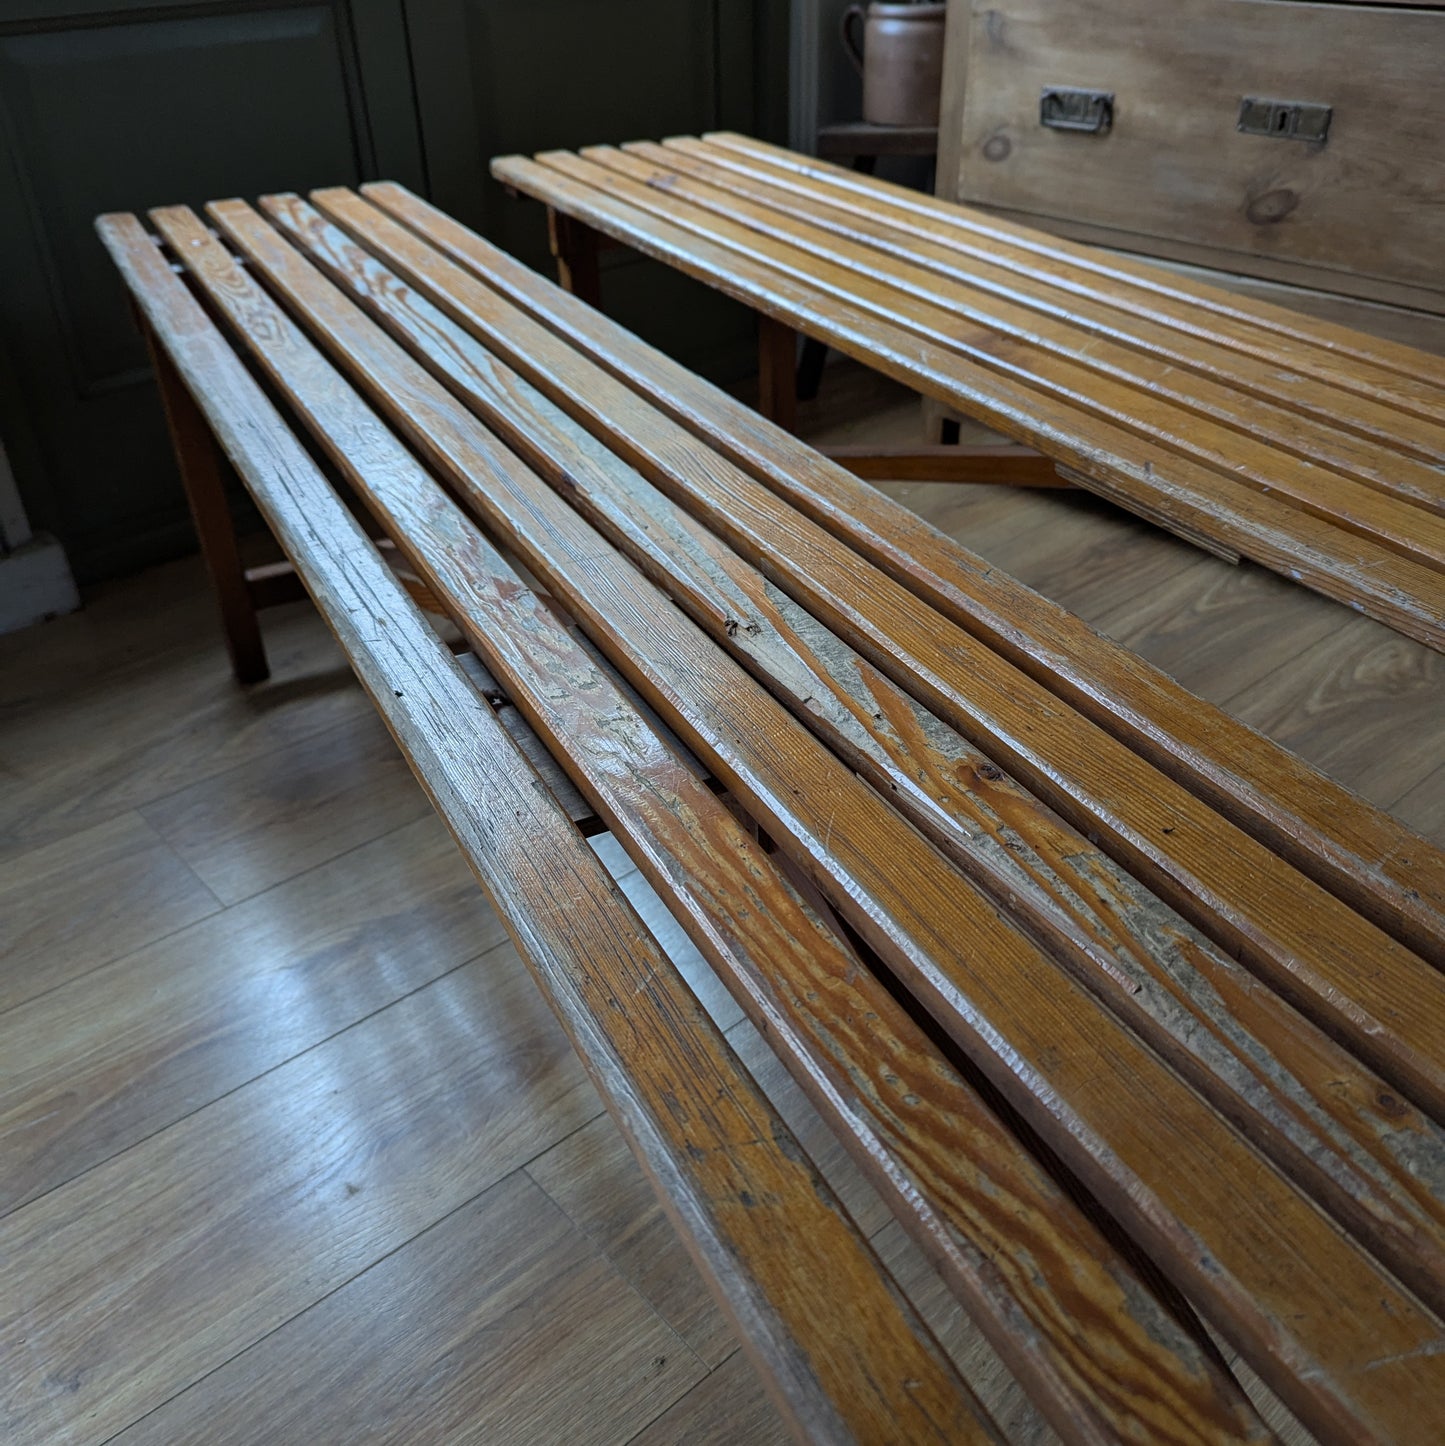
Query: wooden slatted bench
1136, 1021
1246, 429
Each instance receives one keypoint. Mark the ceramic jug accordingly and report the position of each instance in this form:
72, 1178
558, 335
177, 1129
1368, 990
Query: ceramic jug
900, 57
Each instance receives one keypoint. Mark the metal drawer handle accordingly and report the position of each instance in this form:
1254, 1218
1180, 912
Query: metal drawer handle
1286, 119
1067, 108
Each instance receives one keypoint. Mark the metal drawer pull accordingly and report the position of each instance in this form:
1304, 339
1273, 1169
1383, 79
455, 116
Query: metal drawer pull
1290, 119
1066, 108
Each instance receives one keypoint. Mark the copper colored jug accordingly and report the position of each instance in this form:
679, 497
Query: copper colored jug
900, 59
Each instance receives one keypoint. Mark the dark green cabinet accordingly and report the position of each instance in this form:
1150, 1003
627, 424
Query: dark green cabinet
124, 106
120, 106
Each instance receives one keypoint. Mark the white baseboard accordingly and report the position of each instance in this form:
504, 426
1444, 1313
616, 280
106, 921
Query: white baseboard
35, 584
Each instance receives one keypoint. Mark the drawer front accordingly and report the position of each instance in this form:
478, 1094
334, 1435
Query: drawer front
1369, 201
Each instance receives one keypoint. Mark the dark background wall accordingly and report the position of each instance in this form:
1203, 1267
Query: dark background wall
126, 104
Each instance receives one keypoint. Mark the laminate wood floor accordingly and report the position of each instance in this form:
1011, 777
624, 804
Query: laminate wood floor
290, 1149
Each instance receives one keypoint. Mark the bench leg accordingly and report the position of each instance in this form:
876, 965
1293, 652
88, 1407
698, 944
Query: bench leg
575, 247
778, 372
199, 460
810, 368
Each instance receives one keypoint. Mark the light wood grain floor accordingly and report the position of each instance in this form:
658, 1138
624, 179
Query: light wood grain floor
290, 1149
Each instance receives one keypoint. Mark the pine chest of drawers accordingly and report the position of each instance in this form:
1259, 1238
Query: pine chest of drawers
1298, 149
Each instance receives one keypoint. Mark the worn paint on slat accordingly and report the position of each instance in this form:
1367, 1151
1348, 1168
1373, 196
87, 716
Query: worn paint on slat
1380, 1168
1099, 1098
1407, 596
1357, 851
1353, 980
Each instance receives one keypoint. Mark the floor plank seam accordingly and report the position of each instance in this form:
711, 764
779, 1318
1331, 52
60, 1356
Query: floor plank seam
97, 684
220, 909
623, 1273
320, 1300
237, 768
696, 1386
254, 1079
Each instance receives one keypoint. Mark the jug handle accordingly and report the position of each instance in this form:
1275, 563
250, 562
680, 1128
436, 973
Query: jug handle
852, 46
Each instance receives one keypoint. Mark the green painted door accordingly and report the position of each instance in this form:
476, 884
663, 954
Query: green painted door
120, 106
125, 104
500, 76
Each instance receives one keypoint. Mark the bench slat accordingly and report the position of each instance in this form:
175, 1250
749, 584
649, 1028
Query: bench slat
1095, 377
1353, 980
1406, 595
1330, 1330
1357, 851
847, 1358
899, 1097
1306, 1101
1307, 419
1340, 354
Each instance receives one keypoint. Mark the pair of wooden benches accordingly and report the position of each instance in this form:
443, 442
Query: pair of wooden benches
1249, 430
1135, 1020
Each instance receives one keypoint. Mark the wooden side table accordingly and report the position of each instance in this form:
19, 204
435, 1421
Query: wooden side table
864, 143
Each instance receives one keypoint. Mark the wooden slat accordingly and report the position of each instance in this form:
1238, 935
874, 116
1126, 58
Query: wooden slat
1312, 1310
1407, 596
1145, 508
922, 1132
1232, 1038
1353, 980
1359, 852
1357, 437
1098, 379
844, 1354
1178, 326
1276, 325
1013, 466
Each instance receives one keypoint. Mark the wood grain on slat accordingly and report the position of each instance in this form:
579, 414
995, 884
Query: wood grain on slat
1289, 1087
1355, 981
1254, 1253
1357, 851
1275, 332
1213, 384
1150, 512
1404, 594
844, 1354
921, 1131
